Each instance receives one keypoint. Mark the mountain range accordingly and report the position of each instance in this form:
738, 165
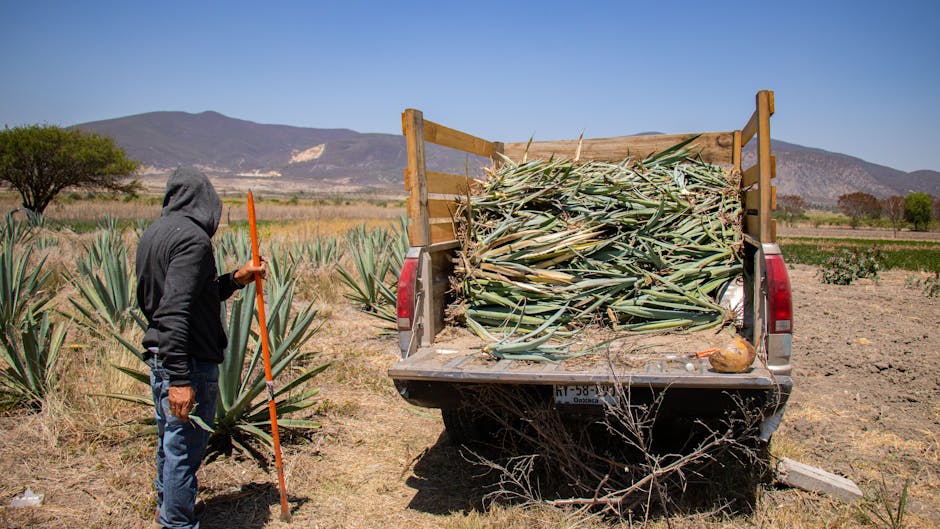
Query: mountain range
343, 159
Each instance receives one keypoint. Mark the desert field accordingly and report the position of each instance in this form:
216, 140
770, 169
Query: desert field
865, 405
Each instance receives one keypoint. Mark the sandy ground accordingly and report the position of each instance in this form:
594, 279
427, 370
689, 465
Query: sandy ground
866, 405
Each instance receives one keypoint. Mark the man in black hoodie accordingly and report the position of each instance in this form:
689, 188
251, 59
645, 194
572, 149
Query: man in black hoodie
180, 293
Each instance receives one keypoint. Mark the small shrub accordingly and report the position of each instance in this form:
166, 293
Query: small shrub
930, 285
848, 265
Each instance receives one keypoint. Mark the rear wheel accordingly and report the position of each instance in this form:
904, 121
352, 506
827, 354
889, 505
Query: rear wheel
466, 426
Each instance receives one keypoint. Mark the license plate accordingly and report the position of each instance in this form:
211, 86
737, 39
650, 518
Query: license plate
585, 395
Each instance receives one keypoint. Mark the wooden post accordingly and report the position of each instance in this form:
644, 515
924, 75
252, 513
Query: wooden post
765, 108
412, 126
805, 477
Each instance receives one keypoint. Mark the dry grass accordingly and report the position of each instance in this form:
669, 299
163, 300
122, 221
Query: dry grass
308, 218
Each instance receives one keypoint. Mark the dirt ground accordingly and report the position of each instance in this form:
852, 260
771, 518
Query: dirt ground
866, 404
866, 398
840, 232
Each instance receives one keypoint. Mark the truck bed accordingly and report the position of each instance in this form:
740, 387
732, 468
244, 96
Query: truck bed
656, 361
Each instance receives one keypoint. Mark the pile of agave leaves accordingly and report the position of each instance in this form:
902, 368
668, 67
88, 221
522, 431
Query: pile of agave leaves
549, 247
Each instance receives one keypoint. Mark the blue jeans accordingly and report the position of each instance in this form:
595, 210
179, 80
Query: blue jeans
181, 445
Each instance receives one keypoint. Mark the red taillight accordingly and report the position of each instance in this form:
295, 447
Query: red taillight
406, 293
779, 301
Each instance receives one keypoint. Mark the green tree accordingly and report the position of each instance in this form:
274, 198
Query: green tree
858, 205
917, 210
39, 161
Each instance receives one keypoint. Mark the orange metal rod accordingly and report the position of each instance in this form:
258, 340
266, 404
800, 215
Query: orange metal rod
266, 354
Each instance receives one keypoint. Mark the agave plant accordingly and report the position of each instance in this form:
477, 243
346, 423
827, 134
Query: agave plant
242, 417
322, 252
29, 346
22, 231
31, 351
377, 257
241, 421
105, 282
109, 240
23, 283
232, 247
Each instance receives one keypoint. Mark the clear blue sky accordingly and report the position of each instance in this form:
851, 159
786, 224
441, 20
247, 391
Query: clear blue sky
856, 77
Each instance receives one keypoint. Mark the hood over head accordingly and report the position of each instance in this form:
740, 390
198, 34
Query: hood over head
189, 192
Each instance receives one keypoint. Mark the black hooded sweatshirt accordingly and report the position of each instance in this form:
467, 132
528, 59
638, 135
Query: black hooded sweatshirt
178, 287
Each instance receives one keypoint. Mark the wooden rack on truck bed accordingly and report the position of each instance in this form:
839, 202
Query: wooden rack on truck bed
431, 368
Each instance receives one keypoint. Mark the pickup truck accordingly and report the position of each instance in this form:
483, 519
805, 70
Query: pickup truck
435, 367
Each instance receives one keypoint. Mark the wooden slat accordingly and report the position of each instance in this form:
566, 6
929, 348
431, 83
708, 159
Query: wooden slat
442, 232
441, 208
748, 238
715, 147
737, 151
751, 175
446, 183
752, 229
752, 226
455, 139
412, 124
752, 198
445, 246
750, 129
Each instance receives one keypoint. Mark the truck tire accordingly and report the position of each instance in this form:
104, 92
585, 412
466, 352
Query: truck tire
465, 426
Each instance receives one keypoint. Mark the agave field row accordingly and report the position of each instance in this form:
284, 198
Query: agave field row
100, 294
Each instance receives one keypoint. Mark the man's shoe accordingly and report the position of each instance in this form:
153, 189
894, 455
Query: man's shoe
198, 510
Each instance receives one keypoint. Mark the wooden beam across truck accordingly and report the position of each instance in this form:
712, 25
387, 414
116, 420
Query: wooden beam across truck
432, 195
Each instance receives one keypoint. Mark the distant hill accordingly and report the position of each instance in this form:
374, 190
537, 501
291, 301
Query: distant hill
820, 177
225, 147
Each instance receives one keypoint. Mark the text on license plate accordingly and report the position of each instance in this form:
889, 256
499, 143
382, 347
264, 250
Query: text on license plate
585, 395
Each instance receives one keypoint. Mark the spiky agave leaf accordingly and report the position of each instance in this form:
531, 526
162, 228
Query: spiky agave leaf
31, 352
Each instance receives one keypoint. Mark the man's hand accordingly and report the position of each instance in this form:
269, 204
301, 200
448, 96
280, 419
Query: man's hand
246, 274
182, 400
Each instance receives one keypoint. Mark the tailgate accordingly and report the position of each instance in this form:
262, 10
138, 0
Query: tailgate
655, 370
